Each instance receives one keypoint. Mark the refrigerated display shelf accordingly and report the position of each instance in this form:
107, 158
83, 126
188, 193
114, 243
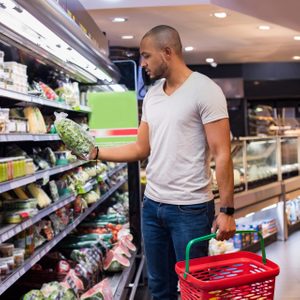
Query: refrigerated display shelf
23, 137
43, 250
116, 169
293, 227
119, 281
41, 101
10, 230
269, 239
17, 182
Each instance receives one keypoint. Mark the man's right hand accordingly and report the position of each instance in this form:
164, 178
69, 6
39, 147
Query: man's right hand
93, 153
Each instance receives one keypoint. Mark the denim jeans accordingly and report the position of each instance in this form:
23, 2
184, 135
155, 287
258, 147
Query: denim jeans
166, 231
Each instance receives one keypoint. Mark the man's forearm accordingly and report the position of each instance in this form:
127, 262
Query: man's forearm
125, 153
224, 174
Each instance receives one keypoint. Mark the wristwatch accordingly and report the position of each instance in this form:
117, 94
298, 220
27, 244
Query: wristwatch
227, 210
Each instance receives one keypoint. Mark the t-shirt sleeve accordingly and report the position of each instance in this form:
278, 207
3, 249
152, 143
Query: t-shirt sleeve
144, 109
212, 104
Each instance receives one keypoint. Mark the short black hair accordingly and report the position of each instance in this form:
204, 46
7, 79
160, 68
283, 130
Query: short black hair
166, 36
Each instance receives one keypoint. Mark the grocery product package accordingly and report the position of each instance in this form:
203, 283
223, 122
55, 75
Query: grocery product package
73, 135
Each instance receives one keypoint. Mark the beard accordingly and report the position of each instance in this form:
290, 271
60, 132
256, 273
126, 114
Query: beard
160, 72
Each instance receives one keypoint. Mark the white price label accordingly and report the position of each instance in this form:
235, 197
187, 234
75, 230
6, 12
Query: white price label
4, 236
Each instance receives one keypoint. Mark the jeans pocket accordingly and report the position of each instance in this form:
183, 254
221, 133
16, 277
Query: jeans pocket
193, 209
145, 200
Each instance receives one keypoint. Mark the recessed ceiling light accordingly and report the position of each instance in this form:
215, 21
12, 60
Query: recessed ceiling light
264, 27
119, 20
296, 57
297, 37
127, 37
210, 60
220, 15
189, 48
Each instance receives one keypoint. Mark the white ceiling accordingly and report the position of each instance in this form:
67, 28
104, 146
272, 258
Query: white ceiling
235, 39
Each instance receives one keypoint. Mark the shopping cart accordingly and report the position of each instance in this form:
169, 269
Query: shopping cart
235, 276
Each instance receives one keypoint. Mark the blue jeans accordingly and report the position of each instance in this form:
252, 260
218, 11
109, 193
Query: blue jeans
166, 231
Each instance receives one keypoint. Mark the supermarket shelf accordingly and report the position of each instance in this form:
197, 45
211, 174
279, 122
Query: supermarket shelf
43, 250
116, 169
12, 184
292, 184
19, 137
14, 95
9, 231
41, 101
120, 281
82, 108
256, 247
294, 227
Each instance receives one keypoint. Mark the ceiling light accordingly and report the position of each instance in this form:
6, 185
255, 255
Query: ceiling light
119, 20
297, 37
189, 48
296, 57
220, 15
210, 60
264, 27
127, 37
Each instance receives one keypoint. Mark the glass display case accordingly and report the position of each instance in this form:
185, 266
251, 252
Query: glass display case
261, 160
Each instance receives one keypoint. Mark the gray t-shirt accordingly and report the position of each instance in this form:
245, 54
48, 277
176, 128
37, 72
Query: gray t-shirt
178, 171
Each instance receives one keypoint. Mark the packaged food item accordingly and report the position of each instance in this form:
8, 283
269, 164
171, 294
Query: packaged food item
17, 216
20, 240
35, 119
73, 135
19, 204
4, 270
10, 263
38, 193
29, 166
18, 255
29, 241
6, 249
3, 170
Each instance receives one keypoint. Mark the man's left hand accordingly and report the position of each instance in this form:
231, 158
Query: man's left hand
224, 226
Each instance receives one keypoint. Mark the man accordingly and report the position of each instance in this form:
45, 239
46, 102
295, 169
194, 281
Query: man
184, 120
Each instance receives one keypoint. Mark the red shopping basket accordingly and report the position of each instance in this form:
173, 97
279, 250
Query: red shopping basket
235, 276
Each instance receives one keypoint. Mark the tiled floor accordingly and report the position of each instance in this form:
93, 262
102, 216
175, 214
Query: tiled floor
287, 256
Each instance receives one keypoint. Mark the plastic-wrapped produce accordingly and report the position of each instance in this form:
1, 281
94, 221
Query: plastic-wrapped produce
34, 295
73, 135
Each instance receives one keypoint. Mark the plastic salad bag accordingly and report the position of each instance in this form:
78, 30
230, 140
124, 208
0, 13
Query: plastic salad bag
73, 135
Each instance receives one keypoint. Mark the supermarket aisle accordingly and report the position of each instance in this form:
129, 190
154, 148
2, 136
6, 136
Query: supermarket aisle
287, 256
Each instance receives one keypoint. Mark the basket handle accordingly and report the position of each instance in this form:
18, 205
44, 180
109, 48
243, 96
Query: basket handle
213, 235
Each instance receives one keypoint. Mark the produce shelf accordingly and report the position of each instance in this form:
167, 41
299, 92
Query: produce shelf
23, 137
10, 230
43, 250
122, 284
41, 101
14, 95
17, 182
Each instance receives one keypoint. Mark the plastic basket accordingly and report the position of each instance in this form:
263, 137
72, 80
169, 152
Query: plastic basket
235, 276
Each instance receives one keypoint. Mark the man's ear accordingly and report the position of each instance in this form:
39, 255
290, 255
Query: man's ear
167, 52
